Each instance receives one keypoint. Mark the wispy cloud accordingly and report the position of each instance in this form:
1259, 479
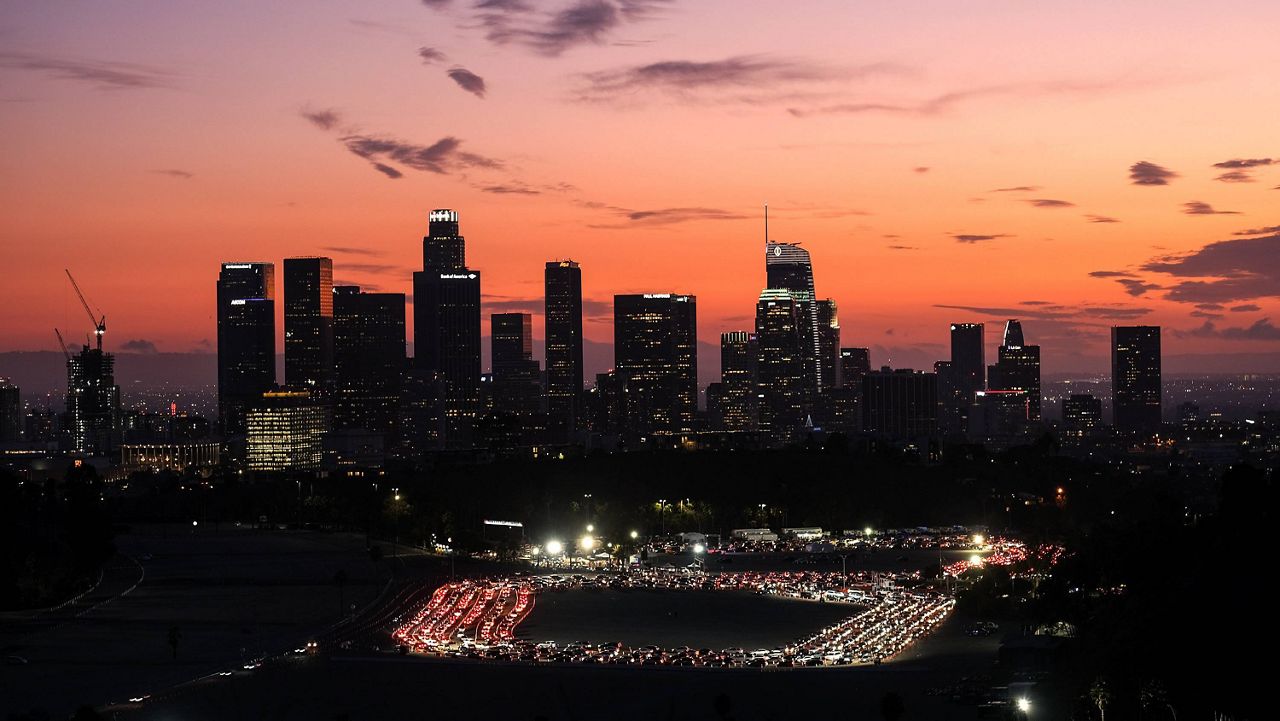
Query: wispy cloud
1261, 330
468, 81
431, 56
667, 216
174, 173
1101, 219
1239, 269
138, 345
1137, 287
978, 238
1245, 163
444, 156
1147, 173
1246, 308
945, 102
584, 22
1197, 207
352, 250
1268, 230
1236, 176
1112, 274
1017, 189
1049, 203
325, 119
104, 75
510, 189
741, 78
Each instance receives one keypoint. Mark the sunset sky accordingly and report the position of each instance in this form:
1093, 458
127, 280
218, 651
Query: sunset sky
1074, 164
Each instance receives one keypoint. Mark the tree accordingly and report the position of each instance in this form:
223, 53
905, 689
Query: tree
1152, 694
1100, 695
891, 707
174, 637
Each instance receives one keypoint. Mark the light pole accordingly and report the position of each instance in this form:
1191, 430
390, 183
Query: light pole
662, 520
395, 510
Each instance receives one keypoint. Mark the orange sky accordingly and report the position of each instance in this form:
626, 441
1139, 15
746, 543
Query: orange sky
146, 142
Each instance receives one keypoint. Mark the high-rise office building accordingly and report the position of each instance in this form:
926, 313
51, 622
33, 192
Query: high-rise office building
10, 412
1135, 378
780, 369
446, 333
655, 346
284, 431
845, 399
1081, 414
854, 364
562, 316
246, 340
93, 403
998, 416
968, 373
828, 344
1017, 368
901, 403
517, 388
788, 267
308, 323
738, 357
369, 359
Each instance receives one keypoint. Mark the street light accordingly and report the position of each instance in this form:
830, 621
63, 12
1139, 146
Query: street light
979, 539
635, 535
1024, 706
587, 543
591, 528
554, 548
698, 551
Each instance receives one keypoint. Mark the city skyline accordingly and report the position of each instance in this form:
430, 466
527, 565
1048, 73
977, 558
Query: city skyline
846, 144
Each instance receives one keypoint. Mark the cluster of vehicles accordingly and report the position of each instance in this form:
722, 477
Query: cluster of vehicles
476, 619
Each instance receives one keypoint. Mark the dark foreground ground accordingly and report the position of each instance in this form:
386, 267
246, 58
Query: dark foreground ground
397, 687
235, 594
230, 593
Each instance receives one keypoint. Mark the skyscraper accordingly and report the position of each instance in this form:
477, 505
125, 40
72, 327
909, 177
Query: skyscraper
369, 359
308, 322
845, 399
246, 340
446, 332
788, 267
10, 412
285, 432
780, 370
828, 344
93, 403
516, 377
562, 317
968, 373
655, 346
1017, 368
738, 357
854, 364
1135, 378
1081, 413
900, 403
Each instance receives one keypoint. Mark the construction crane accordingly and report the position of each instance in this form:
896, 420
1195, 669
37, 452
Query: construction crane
100, 321
62, 344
